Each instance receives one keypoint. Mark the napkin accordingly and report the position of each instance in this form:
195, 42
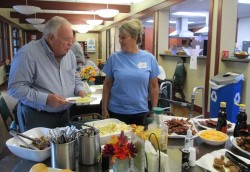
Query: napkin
153, 159
207, 160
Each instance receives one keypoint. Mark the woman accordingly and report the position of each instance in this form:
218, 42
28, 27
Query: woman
131, 74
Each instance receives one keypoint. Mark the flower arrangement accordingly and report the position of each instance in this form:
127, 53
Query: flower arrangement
88, 73
119, 147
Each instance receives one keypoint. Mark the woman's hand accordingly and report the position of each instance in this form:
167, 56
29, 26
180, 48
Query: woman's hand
105, 113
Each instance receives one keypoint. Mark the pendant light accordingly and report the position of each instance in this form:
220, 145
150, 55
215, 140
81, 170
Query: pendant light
26, 9
107, 13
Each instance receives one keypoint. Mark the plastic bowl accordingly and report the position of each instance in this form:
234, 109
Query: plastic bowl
34, 155
213, 137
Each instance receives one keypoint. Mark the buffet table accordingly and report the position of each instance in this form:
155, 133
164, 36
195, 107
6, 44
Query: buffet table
13, 163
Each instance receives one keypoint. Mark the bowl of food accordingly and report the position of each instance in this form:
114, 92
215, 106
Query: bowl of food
169, 52
241, 55
42, 151
213, 137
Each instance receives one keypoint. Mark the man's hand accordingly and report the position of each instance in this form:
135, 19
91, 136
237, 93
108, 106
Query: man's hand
55, 101
82, 93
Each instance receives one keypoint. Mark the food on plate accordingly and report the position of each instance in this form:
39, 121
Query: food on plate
221, 165
41, 145
211, 123
84, 100
65, 170
39, 167
44, 143
241, 53
181, 52
213, 135
244, 143
179, 126
112, 128
139, 131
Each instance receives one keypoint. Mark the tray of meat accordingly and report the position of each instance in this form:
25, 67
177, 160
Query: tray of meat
211, 123
178, 126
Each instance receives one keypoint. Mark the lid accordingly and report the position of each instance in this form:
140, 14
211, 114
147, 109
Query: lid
223, 104
226, 78
243, 106
158, 110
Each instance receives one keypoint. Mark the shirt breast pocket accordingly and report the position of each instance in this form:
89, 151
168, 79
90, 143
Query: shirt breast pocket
70, 76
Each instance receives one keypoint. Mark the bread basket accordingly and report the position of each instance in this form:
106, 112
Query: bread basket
241, 56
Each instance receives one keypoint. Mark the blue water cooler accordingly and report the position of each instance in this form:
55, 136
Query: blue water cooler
226, 88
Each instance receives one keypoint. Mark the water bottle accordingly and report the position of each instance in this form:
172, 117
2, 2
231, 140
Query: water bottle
222, 118
188, 138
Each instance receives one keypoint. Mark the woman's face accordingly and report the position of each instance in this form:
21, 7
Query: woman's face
127, 42
62, 41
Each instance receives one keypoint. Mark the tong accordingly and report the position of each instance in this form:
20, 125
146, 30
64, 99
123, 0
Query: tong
244, 167
13, 133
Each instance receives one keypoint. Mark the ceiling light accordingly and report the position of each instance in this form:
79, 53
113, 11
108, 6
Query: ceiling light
150, 21
35, 20
26, 9
194, 14
244, 1
94, 22
82, 28
107, 13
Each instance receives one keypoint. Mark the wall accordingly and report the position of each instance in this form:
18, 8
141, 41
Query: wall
84, 37
243, 31
149, 31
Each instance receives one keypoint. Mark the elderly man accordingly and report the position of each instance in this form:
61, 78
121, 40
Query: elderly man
78, 51
43, 75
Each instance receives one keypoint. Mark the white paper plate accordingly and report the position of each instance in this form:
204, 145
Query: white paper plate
76, 100
174, 135
207, 160
231, 129
235, 145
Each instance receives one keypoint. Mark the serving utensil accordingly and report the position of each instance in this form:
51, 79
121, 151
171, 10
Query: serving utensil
244, 167
13, 133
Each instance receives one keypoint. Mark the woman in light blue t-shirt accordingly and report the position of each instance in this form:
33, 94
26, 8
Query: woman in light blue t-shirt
131, 77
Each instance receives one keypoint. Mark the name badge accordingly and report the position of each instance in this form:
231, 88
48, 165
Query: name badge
142, 65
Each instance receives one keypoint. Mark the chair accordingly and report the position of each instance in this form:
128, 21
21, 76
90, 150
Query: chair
78, 120
6, 115
179, 79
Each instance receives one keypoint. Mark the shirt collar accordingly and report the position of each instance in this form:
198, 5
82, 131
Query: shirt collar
46, 48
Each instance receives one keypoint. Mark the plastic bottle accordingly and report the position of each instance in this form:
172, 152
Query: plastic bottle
222, 118
156, 128
188, 138
241, 128
164, 134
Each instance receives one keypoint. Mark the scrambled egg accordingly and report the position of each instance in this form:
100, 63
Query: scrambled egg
84, 100
112, 128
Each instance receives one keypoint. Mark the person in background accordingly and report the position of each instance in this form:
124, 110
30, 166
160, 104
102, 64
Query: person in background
131, 77
78, 52
162, 75
88, 62
43, 76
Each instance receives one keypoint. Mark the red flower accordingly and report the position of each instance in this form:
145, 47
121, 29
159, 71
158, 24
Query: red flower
119, 147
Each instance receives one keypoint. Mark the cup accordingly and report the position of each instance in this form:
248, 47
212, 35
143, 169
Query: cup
63, 155
225, 53
89, 147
